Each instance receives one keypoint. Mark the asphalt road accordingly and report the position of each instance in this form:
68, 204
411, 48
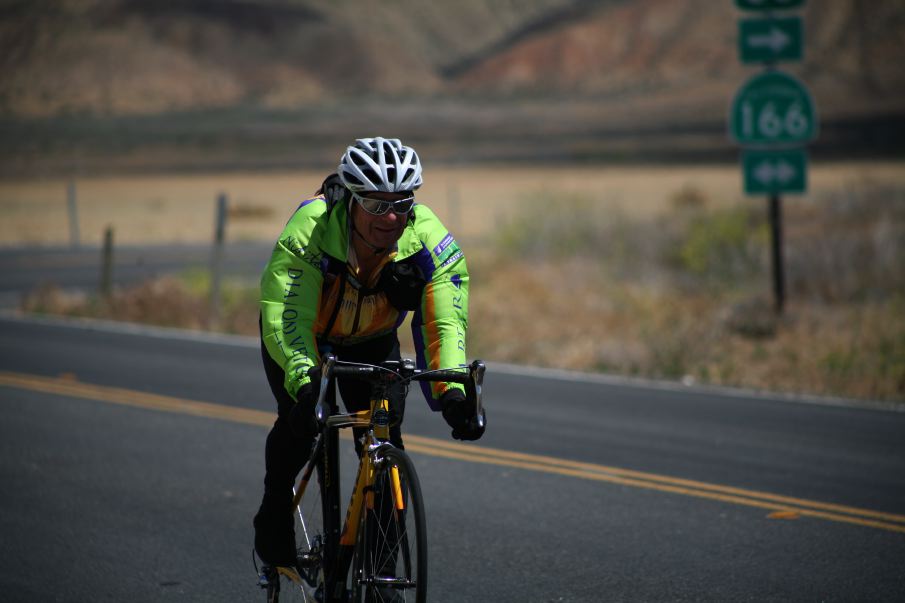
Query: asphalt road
28, 268
116, 486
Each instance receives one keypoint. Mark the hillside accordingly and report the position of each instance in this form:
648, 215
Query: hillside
516, 78
120, 57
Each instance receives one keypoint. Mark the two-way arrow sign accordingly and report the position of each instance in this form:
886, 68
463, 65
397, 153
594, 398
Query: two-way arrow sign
769, 173
775, 171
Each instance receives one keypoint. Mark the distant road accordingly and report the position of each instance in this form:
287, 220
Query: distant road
132, 463
24, 269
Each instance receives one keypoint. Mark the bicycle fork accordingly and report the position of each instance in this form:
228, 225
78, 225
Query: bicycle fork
363, 494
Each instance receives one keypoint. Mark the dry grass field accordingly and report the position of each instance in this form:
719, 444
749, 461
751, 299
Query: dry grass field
471, 201
654, 272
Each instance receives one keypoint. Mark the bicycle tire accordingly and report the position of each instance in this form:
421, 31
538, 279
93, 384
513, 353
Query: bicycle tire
390, 562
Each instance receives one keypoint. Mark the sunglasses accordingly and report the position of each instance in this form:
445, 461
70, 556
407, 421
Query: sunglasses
378, 207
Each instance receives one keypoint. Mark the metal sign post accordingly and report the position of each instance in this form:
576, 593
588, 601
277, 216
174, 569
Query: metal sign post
779, 278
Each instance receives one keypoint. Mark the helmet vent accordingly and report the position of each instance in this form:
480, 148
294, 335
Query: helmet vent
370, 174
352, 179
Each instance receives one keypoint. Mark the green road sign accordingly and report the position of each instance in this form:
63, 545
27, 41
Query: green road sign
772, 108
770, 40
772, 172
768, 4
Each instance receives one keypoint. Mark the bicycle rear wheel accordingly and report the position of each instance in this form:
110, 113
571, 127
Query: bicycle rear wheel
391, 553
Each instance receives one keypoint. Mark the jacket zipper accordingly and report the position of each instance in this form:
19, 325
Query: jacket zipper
357, 313
360, 299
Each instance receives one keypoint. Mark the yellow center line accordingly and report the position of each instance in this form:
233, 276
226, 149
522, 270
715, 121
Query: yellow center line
603, 471
454, 450
804, 507
128, 397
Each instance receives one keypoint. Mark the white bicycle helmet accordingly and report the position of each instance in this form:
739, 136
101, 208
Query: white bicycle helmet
380, 164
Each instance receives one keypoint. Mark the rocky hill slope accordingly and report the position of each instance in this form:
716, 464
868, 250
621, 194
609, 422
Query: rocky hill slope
570, 68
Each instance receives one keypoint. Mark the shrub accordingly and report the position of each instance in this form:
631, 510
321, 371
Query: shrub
724, 248
847, 246
554, 227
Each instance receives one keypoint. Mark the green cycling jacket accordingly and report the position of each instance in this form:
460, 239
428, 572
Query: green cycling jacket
302, 297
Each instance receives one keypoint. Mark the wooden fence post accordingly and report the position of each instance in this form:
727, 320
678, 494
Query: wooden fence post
106, 285
213, 321
72, 204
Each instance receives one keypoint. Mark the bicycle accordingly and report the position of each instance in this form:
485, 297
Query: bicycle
383, 539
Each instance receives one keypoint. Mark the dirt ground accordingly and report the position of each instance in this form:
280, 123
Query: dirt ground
470, 201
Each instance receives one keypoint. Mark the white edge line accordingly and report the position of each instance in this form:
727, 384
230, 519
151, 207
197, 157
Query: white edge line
245, 341
723, 390
132, 328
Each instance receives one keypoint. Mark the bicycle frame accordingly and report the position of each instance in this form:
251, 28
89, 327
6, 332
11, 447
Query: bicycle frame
341, 537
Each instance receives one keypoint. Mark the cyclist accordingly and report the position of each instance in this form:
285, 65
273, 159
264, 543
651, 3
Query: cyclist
349, 265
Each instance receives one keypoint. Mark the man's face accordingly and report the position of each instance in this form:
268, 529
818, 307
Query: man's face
380, 230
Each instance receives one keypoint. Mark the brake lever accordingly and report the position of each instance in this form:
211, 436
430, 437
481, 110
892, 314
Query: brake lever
476, 370
320, 410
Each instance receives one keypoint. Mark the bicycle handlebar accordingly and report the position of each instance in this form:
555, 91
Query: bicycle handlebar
401, 371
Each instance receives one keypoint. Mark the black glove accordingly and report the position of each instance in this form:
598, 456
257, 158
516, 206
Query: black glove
301, 415
460, 413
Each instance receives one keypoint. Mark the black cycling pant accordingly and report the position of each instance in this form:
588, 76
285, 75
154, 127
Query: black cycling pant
285, 453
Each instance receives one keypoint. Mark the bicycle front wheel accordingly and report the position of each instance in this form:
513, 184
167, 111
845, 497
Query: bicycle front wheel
391, 551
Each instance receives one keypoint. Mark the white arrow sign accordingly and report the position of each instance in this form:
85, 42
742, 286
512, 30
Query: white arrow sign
776, 40
767, 172
775, 171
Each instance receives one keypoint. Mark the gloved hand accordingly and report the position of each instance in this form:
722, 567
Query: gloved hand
301, 416
460, 414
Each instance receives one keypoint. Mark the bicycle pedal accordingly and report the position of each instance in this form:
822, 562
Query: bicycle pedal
308, 560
